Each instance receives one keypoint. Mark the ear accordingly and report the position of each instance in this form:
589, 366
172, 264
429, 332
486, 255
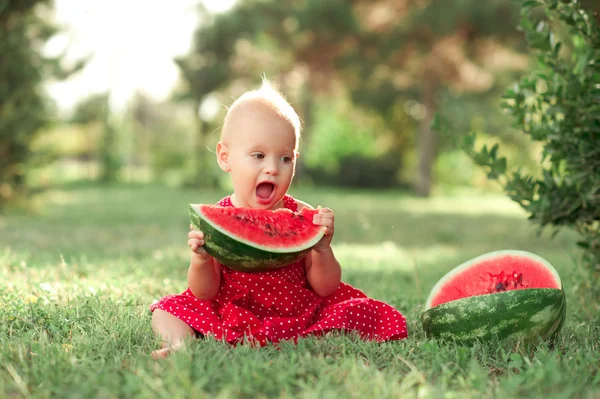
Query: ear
223, 157
296, 154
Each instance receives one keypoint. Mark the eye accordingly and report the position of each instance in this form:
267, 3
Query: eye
286, 159
258, 155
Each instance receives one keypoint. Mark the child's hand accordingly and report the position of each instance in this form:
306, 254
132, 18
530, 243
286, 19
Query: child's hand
324, 218
196, 243
204, 278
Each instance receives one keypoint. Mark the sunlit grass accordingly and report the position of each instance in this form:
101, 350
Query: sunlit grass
78, 276
388, 256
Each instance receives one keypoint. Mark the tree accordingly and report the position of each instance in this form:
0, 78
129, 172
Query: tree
208, 68
150, 122
418, 50
93, 113
24, 110
383, 52
558, 105
256, 37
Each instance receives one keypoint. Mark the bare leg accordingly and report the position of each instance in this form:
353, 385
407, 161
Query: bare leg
171, 330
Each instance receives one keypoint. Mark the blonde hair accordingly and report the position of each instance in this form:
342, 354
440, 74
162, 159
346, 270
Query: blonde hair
269, 96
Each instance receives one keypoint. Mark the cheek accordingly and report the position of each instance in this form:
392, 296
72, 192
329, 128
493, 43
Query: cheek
291, 170
245, 174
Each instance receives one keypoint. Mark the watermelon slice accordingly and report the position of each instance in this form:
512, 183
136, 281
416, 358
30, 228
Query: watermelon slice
249, 239
503, 294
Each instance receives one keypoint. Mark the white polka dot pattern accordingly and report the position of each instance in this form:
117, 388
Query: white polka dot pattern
279, 305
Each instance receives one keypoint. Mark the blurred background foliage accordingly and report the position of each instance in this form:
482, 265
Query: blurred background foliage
366, 77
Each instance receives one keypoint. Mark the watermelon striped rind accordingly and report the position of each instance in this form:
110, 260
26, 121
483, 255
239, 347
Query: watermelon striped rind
241, 254
485, 257
528, 314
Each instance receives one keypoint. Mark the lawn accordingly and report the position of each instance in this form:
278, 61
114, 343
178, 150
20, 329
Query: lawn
79, 274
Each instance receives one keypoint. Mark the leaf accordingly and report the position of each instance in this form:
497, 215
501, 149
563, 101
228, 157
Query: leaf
439, 123
583, 244
529, 4
526, 24
494, 152
501, 165
468, 142
581, 63
540, 37
492, 175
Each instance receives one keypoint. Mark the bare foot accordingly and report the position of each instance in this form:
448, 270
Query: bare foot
166, 351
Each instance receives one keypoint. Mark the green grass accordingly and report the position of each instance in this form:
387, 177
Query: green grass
78, 276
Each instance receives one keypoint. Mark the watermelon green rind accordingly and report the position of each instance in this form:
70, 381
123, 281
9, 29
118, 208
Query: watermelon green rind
466, 265
562, 318
528, 314
241, 255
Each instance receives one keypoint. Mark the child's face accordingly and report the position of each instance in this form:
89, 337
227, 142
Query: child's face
258, 150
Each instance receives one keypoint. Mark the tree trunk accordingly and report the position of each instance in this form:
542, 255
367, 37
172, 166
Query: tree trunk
109, 158
205, 162
427, 137
199, 156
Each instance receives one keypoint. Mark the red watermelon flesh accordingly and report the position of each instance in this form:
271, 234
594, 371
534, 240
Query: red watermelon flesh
494, 272
275, 229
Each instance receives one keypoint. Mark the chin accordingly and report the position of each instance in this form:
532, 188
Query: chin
270, 203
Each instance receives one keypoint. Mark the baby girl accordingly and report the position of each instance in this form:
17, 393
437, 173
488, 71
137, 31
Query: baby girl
258, 148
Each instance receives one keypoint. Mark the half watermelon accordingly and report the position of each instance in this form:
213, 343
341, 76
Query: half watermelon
251, 240
499, 294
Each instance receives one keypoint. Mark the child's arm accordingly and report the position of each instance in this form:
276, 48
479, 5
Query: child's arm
204, 275
323, 271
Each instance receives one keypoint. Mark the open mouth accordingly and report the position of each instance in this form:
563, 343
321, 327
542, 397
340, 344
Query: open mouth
264, 192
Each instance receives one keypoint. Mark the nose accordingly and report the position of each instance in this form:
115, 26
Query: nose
272, 168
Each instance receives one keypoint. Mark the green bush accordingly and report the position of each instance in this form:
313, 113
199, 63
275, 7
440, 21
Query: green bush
351, 148
25, 109
557, 105
360, 171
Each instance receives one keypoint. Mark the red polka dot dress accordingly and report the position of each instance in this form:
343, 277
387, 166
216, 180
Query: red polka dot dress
280, 305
